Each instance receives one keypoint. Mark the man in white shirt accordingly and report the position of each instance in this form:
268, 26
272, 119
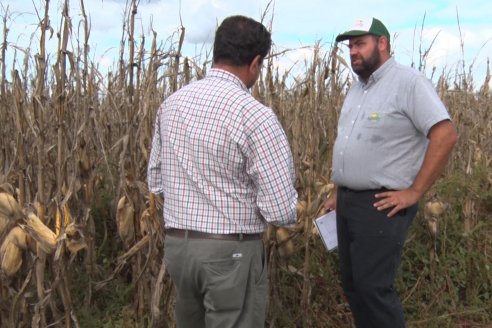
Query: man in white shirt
224, 166
394, 139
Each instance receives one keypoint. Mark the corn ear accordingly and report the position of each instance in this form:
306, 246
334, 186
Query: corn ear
57, 222
432, 225
7, 187
74, 238
149, 222
58, 219
84, 162
67, 217
124, 221
301, 208
18, 237
45, 238
9, 208
146, 223
434, 208
3, 223
326, 188
284, 242
11, 251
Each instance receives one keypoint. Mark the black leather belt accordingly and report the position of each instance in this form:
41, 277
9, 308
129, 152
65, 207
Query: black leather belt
364, 190
193, 234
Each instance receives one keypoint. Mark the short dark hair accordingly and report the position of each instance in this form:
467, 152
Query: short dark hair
239, 39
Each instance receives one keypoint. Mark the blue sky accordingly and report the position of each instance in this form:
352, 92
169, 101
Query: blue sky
296, 25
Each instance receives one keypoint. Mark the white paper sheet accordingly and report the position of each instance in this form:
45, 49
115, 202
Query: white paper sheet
327, 227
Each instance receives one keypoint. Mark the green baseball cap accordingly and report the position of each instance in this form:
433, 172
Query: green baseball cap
365, 26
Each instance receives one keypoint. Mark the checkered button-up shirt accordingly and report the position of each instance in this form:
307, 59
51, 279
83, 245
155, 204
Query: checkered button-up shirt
221, 159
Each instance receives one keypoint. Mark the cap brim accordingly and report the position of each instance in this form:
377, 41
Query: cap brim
347, 35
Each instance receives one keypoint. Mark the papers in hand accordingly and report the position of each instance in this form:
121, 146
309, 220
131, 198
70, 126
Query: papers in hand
327, 227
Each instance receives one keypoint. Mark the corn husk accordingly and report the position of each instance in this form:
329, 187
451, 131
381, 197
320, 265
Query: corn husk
146, 226
434, 209
125, 214
45, 238
7, 187
315, 231
3, 223
326, 188
84, 162
66, 218
11, 256
432, 225
284, 242
75, 240
11, 251
301, 208
18, 237
9, 208
149, 222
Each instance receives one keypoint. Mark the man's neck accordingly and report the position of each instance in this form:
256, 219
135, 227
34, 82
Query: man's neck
239, 71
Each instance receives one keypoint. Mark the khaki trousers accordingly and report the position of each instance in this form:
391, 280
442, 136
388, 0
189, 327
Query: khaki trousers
219, 283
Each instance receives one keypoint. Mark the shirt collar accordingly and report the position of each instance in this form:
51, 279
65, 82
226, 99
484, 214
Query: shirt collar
225, 75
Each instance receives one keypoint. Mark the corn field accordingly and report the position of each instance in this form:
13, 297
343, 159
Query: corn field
82, 238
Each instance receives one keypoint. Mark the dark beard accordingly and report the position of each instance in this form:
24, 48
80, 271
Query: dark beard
368, 66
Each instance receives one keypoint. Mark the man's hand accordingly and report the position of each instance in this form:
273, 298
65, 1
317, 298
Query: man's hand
331, 203
397, 200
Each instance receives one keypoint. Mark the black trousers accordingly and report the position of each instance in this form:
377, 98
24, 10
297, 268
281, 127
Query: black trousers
370, 246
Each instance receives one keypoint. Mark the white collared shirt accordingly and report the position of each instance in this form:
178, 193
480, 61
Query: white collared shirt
382, 130
221, 159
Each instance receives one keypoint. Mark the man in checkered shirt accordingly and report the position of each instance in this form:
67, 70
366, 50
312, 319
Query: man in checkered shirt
223, 164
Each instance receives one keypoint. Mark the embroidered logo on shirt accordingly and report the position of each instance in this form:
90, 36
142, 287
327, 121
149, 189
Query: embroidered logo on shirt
374, 118
237, 255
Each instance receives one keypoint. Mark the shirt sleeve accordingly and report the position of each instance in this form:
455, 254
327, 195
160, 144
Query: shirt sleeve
272, 169
426, 108
154, 173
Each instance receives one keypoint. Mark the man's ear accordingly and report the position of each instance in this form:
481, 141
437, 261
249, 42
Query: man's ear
256, 63
383, 43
